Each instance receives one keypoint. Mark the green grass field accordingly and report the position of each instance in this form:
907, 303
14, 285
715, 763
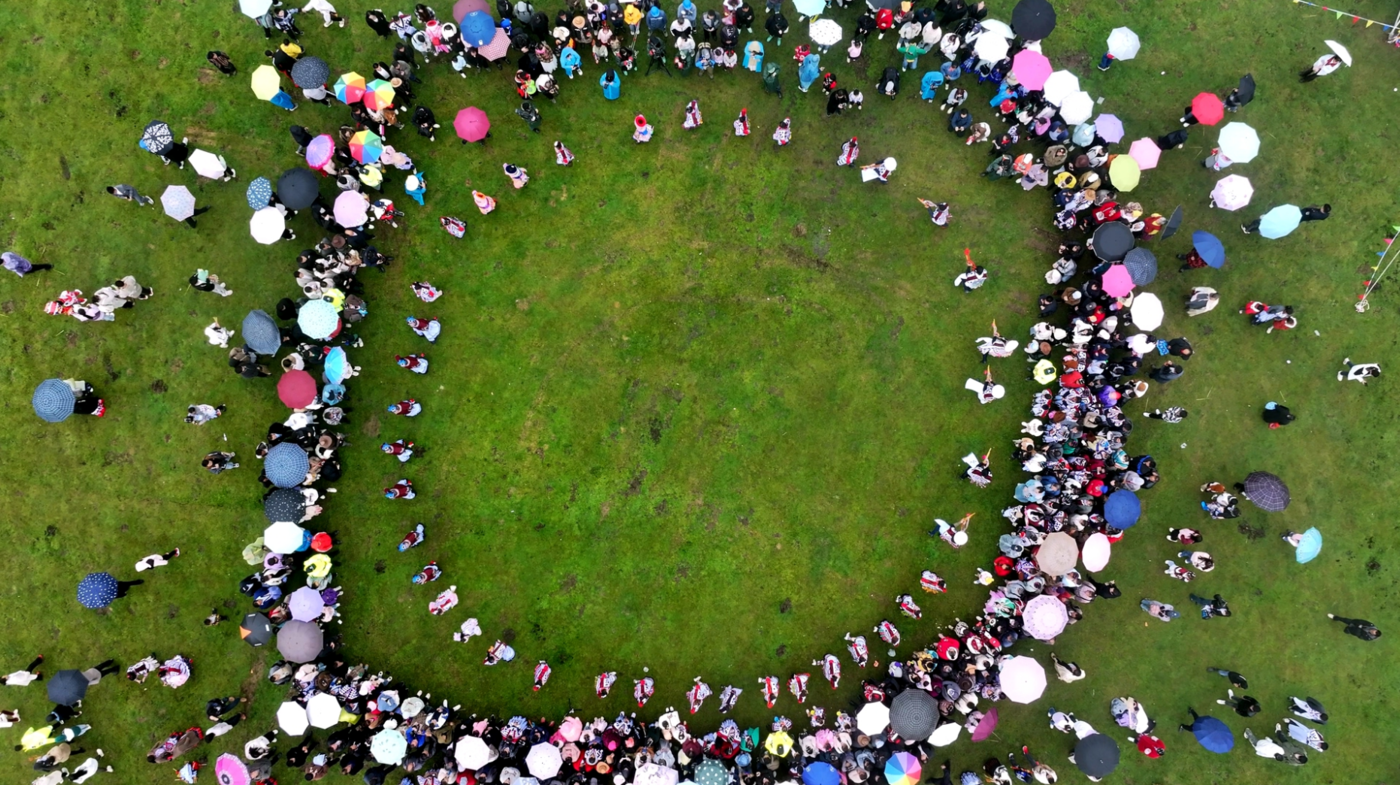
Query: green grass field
696, 402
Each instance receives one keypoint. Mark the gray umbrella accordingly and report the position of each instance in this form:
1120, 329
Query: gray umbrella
284, 504
298, 188
1112, 241
300, 641
67, 687
1267, 491
1173, 223
157, 137
53, 400
310, 71
1142, 266
1096, 755
286, 465
260, 333
913, 714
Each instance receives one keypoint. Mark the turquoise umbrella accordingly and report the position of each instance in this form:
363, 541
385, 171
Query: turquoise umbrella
1309, 546
1280, 221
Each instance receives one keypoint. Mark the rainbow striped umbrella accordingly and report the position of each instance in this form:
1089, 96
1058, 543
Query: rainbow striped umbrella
378, 95
366, 147
902, 769
350, 88
320, 151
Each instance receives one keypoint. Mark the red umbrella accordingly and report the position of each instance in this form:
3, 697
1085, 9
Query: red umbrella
985, 726
472, 124
297, 389
1207, 108
463, 7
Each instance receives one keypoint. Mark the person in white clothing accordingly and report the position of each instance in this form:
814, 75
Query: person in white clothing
24, 677
156, 560
1358, 372
1265, 747
326, 10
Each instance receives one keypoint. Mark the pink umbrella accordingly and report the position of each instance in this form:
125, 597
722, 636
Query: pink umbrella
230, 770
985, 726
319, 152
570, 729
497, 47
463, 7
1044, 617
1145, 152
1116, 282
351, 209
1031, 68
472, 124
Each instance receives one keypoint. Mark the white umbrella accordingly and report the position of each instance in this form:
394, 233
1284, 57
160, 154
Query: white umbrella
824, 32
1123, 43
267, 225
292, 718
1044, 617
543, 761
1340, 50
945, 734
1077, 107
1059, 86
254, 8
997, 27
178, 202
207, 164
1147, 311
873, 718
1097, 549
1232, 193
1022, 679
992, 48
1239, 143
323, 710
652, 774
472, 753
284, 537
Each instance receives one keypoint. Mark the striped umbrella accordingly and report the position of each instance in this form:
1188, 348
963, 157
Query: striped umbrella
379, 95
178, 202
350, 88
259, 193
366, 146
53, 400
97, 590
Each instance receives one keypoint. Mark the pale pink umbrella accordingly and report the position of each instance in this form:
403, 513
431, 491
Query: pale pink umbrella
1232, 193
1044, 617
1031, 68
1145, 152
497, 47
319, 152
351, 209
570, 729
1117, 281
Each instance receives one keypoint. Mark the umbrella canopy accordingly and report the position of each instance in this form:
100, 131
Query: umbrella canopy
1113, 241
1142, 265
945, 734
1246, 89
1238, 142
913, 714
53, 400
267, 225
543, 761
571, 729
820, 773
463, 7
206, 164
471, 124
1147, 311
1122, 508
286, 465
255, 630
472, 753
97, 590
1209, 248
1267, 491
1124, 172
366, 146
655, 774
1077, 107
903, 769
157, 138
178, 202
711, 772
319, 152
310, 72
1057, 554
1309, 546
1123, 43
351, 209
334, 368
1096, 755
1232, 192
300, 641
67, 687
873, 718
1031, 68
1341, 51
349, 88
1280, 221
992, 48
297, 389
230, 770
986, 725
298, 188
1044, 617
1033, 19
497, 48
1146, 152
254, 8
260, 333
476, 28
1083, 134
1117, 281
1213, 734
814, 7
1173, 223
1059, 85
266, 82
1207, 108
292, 718
323, 710
318, 318
259, 193
1109, 127
284, 537
305, 605
1096, 551
824, 32
379, 95
1022, 679
285, 504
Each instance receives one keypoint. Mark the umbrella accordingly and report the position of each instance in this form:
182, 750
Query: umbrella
913, 714
820, 773
1147, 311
349, 88
1246, 89
298, 188
157, 138
1109, 127
1083, 134
1146, 152
1238, 142
1122, 508
472, 124
1208, 247
1077, 107
255, 629
1213, 734
310, 72
323, 710
292, 718
472, 753
711, 772
1113, 241
97, 590
411, 707
286, 465
873, 718
260, 333
284, 537
351, 209
1031, 68
986, 725
1142, 265
1022, 679
463, 7
267, 226
1267, 491
379, 94
1123, 43
1096, 755
1309, 546
1059, 85
655, 774
543, 761
178, 202
259, 193
1173, 223
318, 318
266, 82
366, 146
1117, 281
300, 641
1232, 192
1057, 554
1096, 552
815, 7
320, 151
1033, 19
229, 770
297, 389
945, 734
1280, 221
571, 729
285, 504
1340, 50
997, 27
824, 32
1207, 108
902, 769
497, 48
53, 400
992, 48
254, 8
206, 164
1124, 172
1044, 617
334, 367
67, 687
305, 605
477, 28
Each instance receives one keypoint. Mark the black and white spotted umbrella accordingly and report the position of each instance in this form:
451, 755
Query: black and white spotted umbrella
310, 71
157, 138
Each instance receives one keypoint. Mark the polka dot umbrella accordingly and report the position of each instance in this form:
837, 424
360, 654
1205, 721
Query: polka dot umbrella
318, 319
97, 590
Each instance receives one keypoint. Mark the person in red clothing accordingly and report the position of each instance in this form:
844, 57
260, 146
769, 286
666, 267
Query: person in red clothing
1151, 746
884, 20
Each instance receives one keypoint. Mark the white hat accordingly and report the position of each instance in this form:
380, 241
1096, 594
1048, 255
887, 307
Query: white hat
412, 183
891, 164
959, 538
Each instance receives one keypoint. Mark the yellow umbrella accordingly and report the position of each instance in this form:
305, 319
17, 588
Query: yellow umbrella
266, 82
1124, 172
778, 744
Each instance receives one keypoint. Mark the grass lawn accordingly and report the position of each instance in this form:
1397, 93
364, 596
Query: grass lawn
696, 403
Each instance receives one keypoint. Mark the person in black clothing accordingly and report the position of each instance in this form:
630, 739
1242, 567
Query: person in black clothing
191, 222
656, 51
302, 137
222, 62
1236, 680
960, 121
425, 122
1173, 140
218, 707
1277, 415
1245, 705
743, 18
296, 756
377, 22
728, 37
280, 59
1167, 372
777, 27
1360, 628
1315, 213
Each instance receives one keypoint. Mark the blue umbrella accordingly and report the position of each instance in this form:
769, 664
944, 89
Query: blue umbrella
478, 28
1209, 248
820, 773
67, 687
318, 319
259, 193
1213, 734
97, 590
1280, 221
260, 333
1122, 509
286, 465
335, 366
53, 400
1309, 546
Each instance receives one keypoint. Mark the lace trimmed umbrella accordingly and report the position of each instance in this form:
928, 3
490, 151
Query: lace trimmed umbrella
1044, 617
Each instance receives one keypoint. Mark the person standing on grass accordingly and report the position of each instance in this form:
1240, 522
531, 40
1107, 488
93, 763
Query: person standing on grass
1359, 628
1173, 414
1308, 708
1245, 705
1355, 372
1315, 213
1212, 607
19, 265
221, 61
1236, 680
1322, 66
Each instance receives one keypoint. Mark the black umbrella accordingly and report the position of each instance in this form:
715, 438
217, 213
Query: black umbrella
1096, 755
1142, 266
1033, 19
1113, 241
255, 629
1173, 223
298, 188
1246, 90
284, 504
260, 333
1267, 491
67, 687
310, 71
157, 137
913, 714
882, 4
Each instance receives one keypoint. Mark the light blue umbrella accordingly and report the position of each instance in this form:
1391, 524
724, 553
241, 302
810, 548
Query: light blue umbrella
1309, 546
389, 746
53, 400
179, 202
336, 365
1280, 221
286, 465
318, 319
478, 28
259, 193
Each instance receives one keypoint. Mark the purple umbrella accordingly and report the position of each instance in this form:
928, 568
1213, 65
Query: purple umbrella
1109, 127
351, 209
306, 604
985, 726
